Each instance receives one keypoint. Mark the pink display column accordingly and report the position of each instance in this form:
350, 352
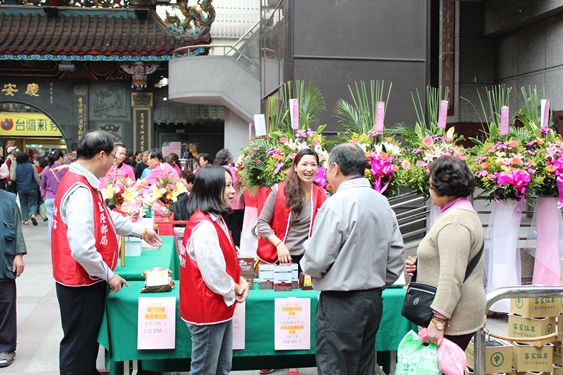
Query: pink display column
547, 263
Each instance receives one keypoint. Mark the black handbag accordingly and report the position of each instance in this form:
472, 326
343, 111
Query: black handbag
419, 297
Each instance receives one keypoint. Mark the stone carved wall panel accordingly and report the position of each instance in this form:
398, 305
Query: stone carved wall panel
108, 102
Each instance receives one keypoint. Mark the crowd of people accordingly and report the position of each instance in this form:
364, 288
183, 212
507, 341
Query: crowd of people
348, 241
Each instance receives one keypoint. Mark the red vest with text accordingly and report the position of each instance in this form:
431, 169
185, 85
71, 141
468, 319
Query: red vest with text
266, 251
198, 304
66, 270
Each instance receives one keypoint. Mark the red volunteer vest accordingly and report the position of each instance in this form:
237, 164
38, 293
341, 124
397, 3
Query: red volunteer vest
66, 270
198, 304
266, 251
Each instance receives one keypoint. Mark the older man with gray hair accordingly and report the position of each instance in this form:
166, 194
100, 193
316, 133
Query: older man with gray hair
355, 252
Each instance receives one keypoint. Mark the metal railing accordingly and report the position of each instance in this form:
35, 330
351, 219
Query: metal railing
411, 212
236, 49
501, 293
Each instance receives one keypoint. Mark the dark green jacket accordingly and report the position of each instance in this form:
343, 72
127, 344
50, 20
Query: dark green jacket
11, 235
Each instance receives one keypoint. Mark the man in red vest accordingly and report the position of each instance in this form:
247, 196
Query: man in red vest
85, 251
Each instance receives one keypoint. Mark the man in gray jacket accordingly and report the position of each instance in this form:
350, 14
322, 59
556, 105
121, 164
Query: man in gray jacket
355, 252
12, 249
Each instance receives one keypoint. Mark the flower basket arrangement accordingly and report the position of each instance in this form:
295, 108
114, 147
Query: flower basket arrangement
120, 193
544, 144
386, 163
362, 125
265, 160
162, 194
503, 169
428, 140
517, 162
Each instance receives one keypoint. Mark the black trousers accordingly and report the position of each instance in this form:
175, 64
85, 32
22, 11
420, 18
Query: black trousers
234, 221
8, 317
82, 310
347, 323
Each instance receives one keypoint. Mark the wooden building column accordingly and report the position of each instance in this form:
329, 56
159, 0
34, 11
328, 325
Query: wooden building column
141, 102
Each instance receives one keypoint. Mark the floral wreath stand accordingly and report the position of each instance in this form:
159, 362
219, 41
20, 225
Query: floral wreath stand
547, 254
502, 253
253, 208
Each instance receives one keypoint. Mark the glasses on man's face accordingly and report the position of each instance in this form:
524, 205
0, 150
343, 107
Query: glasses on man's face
114, 157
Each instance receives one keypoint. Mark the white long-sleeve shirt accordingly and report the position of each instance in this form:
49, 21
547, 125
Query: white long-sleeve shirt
205, 249
77, 213
4, 171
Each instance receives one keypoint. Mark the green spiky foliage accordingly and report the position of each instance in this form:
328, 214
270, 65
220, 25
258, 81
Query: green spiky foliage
266, 159
359, 116
497, 97
427, 117
311, 105
530, 114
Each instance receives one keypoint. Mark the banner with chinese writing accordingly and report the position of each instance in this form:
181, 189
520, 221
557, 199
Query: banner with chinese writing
27, 124
169, 147
239, 326
157, 323
292, 322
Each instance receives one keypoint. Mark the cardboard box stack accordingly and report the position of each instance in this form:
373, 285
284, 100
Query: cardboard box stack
533, 317
498, 357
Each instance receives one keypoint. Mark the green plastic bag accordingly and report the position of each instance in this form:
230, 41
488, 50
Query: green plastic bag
414, 357
43, 211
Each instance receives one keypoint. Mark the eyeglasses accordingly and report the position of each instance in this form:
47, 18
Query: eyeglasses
114, 157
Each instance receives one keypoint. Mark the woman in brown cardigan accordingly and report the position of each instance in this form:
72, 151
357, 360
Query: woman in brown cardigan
445, 252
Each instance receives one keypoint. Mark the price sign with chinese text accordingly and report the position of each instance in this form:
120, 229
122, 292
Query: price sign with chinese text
239, 326
292, 323
157, 323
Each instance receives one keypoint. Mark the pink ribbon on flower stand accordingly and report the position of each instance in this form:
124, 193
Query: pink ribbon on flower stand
381, 168
519, 179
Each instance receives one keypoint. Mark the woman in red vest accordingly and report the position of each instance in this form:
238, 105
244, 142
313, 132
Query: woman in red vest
286, 220
210, 281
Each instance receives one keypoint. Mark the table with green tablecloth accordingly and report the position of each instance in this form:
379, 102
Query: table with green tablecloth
166, 256
118, 333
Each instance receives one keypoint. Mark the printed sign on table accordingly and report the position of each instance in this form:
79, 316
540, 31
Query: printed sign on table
157, 323
239, 326
292, 323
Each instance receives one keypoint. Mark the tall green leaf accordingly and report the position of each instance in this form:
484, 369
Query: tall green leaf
530, 114
311, 104
359, 116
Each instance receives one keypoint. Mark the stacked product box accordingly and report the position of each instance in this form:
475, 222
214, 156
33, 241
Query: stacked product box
283, 278
266, 276
529, 318
498, 357
247, 270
